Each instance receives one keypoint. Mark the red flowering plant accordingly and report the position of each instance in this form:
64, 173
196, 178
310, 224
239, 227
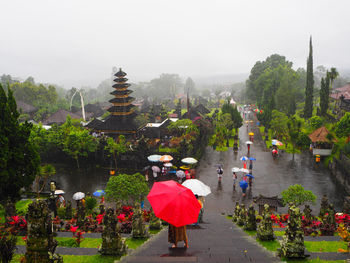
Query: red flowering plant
310, 227
77, 234
126, 210
99, 218
8, 242
70, 223
341, 218
276, 219
146, 215
17, 224
57, 224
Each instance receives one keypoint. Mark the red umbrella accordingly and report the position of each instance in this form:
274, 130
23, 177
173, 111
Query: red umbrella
174, 203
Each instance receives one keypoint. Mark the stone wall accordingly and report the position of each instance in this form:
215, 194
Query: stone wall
340, 169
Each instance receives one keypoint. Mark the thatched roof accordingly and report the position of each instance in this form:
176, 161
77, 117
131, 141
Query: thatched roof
24, 107
202, 109
271, 201
319, 135
60, 117
93, 124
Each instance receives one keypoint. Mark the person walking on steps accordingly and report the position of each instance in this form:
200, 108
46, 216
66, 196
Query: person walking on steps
234, 180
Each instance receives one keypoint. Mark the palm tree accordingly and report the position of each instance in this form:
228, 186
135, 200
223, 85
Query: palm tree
333, 74
45, 172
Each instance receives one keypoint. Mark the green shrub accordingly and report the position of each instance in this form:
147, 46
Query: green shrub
347, 148
61, 212
67, 243
22, 207
303, 141
90, 203
316, 122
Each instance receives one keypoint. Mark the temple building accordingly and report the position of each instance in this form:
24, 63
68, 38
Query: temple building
122, 117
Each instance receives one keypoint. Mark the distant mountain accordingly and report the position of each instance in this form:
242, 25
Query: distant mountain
221, 79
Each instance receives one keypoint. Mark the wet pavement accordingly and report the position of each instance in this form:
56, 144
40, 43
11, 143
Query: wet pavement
272, 176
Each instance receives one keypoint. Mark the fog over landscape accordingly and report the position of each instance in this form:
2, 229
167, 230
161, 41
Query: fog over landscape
76, 43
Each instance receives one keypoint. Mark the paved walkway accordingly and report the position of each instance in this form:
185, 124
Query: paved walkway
219, 240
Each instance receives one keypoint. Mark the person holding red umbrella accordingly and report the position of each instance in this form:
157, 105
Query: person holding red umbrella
177, 205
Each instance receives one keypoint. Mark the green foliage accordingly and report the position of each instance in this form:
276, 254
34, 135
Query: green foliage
324, 94
90, 203
183, 126
309, 85
279, 123
303, 141
19, 159
343, 126
316, 122
22, 206
116, 147
124, 187
61, 212
297, 195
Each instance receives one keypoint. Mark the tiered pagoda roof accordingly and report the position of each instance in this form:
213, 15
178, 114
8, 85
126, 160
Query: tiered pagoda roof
121, 119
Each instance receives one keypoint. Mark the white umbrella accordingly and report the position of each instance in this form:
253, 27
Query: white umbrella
189, 160
78, 196
197, 187
180, 174
168, 164
243, 170
59, 192
154, 158
248, 142
155, 169
236, 169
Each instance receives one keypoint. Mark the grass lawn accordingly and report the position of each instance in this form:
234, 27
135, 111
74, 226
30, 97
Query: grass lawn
269, 245
250, 232
324, 246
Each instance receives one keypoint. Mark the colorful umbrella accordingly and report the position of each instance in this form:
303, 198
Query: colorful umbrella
244, 158
99, 193
154, 158
78, 196
248, 142
250, 175
252, 159
184, 167
167, 164
174, 203
197, 187
166, 158
251, 133
243, 184
189, 160
59, 192
243, 170
276, 142
155, 169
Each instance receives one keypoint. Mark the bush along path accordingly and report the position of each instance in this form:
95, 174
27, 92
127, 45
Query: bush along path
76, 245
290, 238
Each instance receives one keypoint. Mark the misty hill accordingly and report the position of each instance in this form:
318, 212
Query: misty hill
221, 79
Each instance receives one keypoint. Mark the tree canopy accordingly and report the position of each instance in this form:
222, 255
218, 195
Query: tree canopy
126, 188
297, 195
19, 160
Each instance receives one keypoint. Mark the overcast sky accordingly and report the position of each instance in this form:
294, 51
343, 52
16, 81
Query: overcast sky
77, 42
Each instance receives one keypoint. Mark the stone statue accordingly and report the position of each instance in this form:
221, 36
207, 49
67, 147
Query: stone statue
292, 244
138, 225
307, 213
102, 209
236, 212
40, 245
112, 242
250, 223
154, 222
264, 230
69, 211
242, 216
324, 206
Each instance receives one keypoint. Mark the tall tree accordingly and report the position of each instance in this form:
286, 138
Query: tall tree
309, 84
19, 160
332, 74
324, 95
